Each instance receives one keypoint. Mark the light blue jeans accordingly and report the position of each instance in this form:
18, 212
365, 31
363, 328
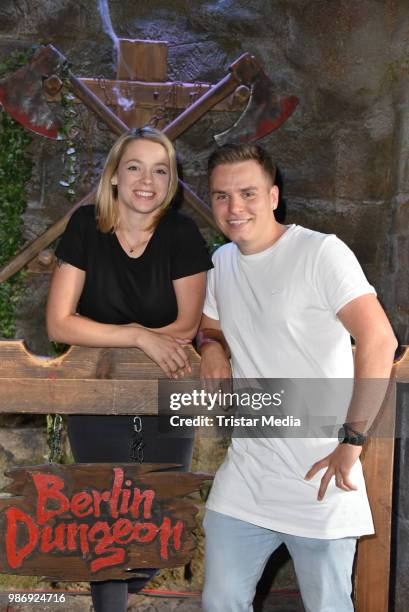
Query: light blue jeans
237, 552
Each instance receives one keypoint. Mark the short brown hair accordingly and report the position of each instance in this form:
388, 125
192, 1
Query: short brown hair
233, 153
106, 199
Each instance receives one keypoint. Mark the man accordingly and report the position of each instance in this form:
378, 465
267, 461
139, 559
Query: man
284, 301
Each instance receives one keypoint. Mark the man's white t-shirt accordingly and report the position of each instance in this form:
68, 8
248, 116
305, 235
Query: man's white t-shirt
277, 310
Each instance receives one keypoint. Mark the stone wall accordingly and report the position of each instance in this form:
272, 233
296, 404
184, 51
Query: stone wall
343, 152
342, 155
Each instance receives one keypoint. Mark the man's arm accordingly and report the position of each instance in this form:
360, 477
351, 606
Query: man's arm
213, 348
375, 343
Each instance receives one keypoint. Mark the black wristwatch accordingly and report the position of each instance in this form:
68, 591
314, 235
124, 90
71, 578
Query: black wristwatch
347, 435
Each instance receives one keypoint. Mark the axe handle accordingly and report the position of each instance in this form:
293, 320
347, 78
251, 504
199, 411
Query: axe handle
198, 205
114, 123
42, 242
189, 116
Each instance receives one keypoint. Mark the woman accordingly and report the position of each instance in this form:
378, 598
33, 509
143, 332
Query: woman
131, 273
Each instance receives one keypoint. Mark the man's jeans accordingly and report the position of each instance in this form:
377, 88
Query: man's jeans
237, 552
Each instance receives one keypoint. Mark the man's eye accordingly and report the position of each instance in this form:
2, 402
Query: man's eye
248, 194
221, 196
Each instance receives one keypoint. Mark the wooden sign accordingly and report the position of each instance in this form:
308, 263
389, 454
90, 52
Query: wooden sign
96, 521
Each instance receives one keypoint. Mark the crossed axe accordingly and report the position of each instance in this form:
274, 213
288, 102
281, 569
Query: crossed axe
22, 96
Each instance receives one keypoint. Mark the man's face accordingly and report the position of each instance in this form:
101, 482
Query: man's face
243, 201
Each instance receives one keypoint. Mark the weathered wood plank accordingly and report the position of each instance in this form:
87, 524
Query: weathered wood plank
75, 396
156, 95
142, 60
372, 570
96, 521
83, 363
373, 556
83, 380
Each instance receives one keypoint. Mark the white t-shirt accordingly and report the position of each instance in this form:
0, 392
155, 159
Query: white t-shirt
277, 310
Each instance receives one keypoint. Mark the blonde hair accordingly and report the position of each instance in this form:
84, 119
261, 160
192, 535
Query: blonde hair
107, 211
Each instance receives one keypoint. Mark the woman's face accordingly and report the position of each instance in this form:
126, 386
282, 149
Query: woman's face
142, 177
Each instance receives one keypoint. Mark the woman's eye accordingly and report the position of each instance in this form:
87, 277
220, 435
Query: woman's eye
162, 171
133, 167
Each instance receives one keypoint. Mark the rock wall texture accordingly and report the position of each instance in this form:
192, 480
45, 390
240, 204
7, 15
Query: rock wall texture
343, 155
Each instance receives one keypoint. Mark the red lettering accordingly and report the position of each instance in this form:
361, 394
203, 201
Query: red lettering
83, 531
80, 504
49, 490
117, 555
147, 497
121, 529
98, 498
166, 532
72, 530
47, 544
151, 532
125, 502
116, 490
15, 556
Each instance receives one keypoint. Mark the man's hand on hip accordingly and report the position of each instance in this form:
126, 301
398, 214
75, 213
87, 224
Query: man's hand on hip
338, 464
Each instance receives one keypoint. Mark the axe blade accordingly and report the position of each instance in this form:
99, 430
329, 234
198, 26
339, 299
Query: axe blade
21, 95
264, 113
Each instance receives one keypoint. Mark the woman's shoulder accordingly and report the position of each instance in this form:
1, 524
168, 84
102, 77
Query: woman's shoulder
85, 213
83, 220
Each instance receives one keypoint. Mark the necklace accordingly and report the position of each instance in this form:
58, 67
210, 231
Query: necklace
131, 249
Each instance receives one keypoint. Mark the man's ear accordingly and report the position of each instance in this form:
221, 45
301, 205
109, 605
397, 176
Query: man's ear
274, 194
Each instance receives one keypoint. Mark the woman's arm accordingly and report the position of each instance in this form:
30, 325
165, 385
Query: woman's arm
64, 325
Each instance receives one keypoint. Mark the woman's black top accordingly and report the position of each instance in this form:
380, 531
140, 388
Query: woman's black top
120, 289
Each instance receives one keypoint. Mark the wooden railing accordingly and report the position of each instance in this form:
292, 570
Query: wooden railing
125, 381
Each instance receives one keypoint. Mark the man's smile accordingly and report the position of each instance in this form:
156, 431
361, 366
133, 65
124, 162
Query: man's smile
237, 221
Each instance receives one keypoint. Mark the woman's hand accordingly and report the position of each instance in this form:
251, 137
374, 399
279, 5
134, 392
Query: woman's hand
166, 351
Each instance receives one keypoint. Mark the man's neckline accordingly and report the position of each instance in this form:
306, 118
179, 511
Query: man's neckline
268, 250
